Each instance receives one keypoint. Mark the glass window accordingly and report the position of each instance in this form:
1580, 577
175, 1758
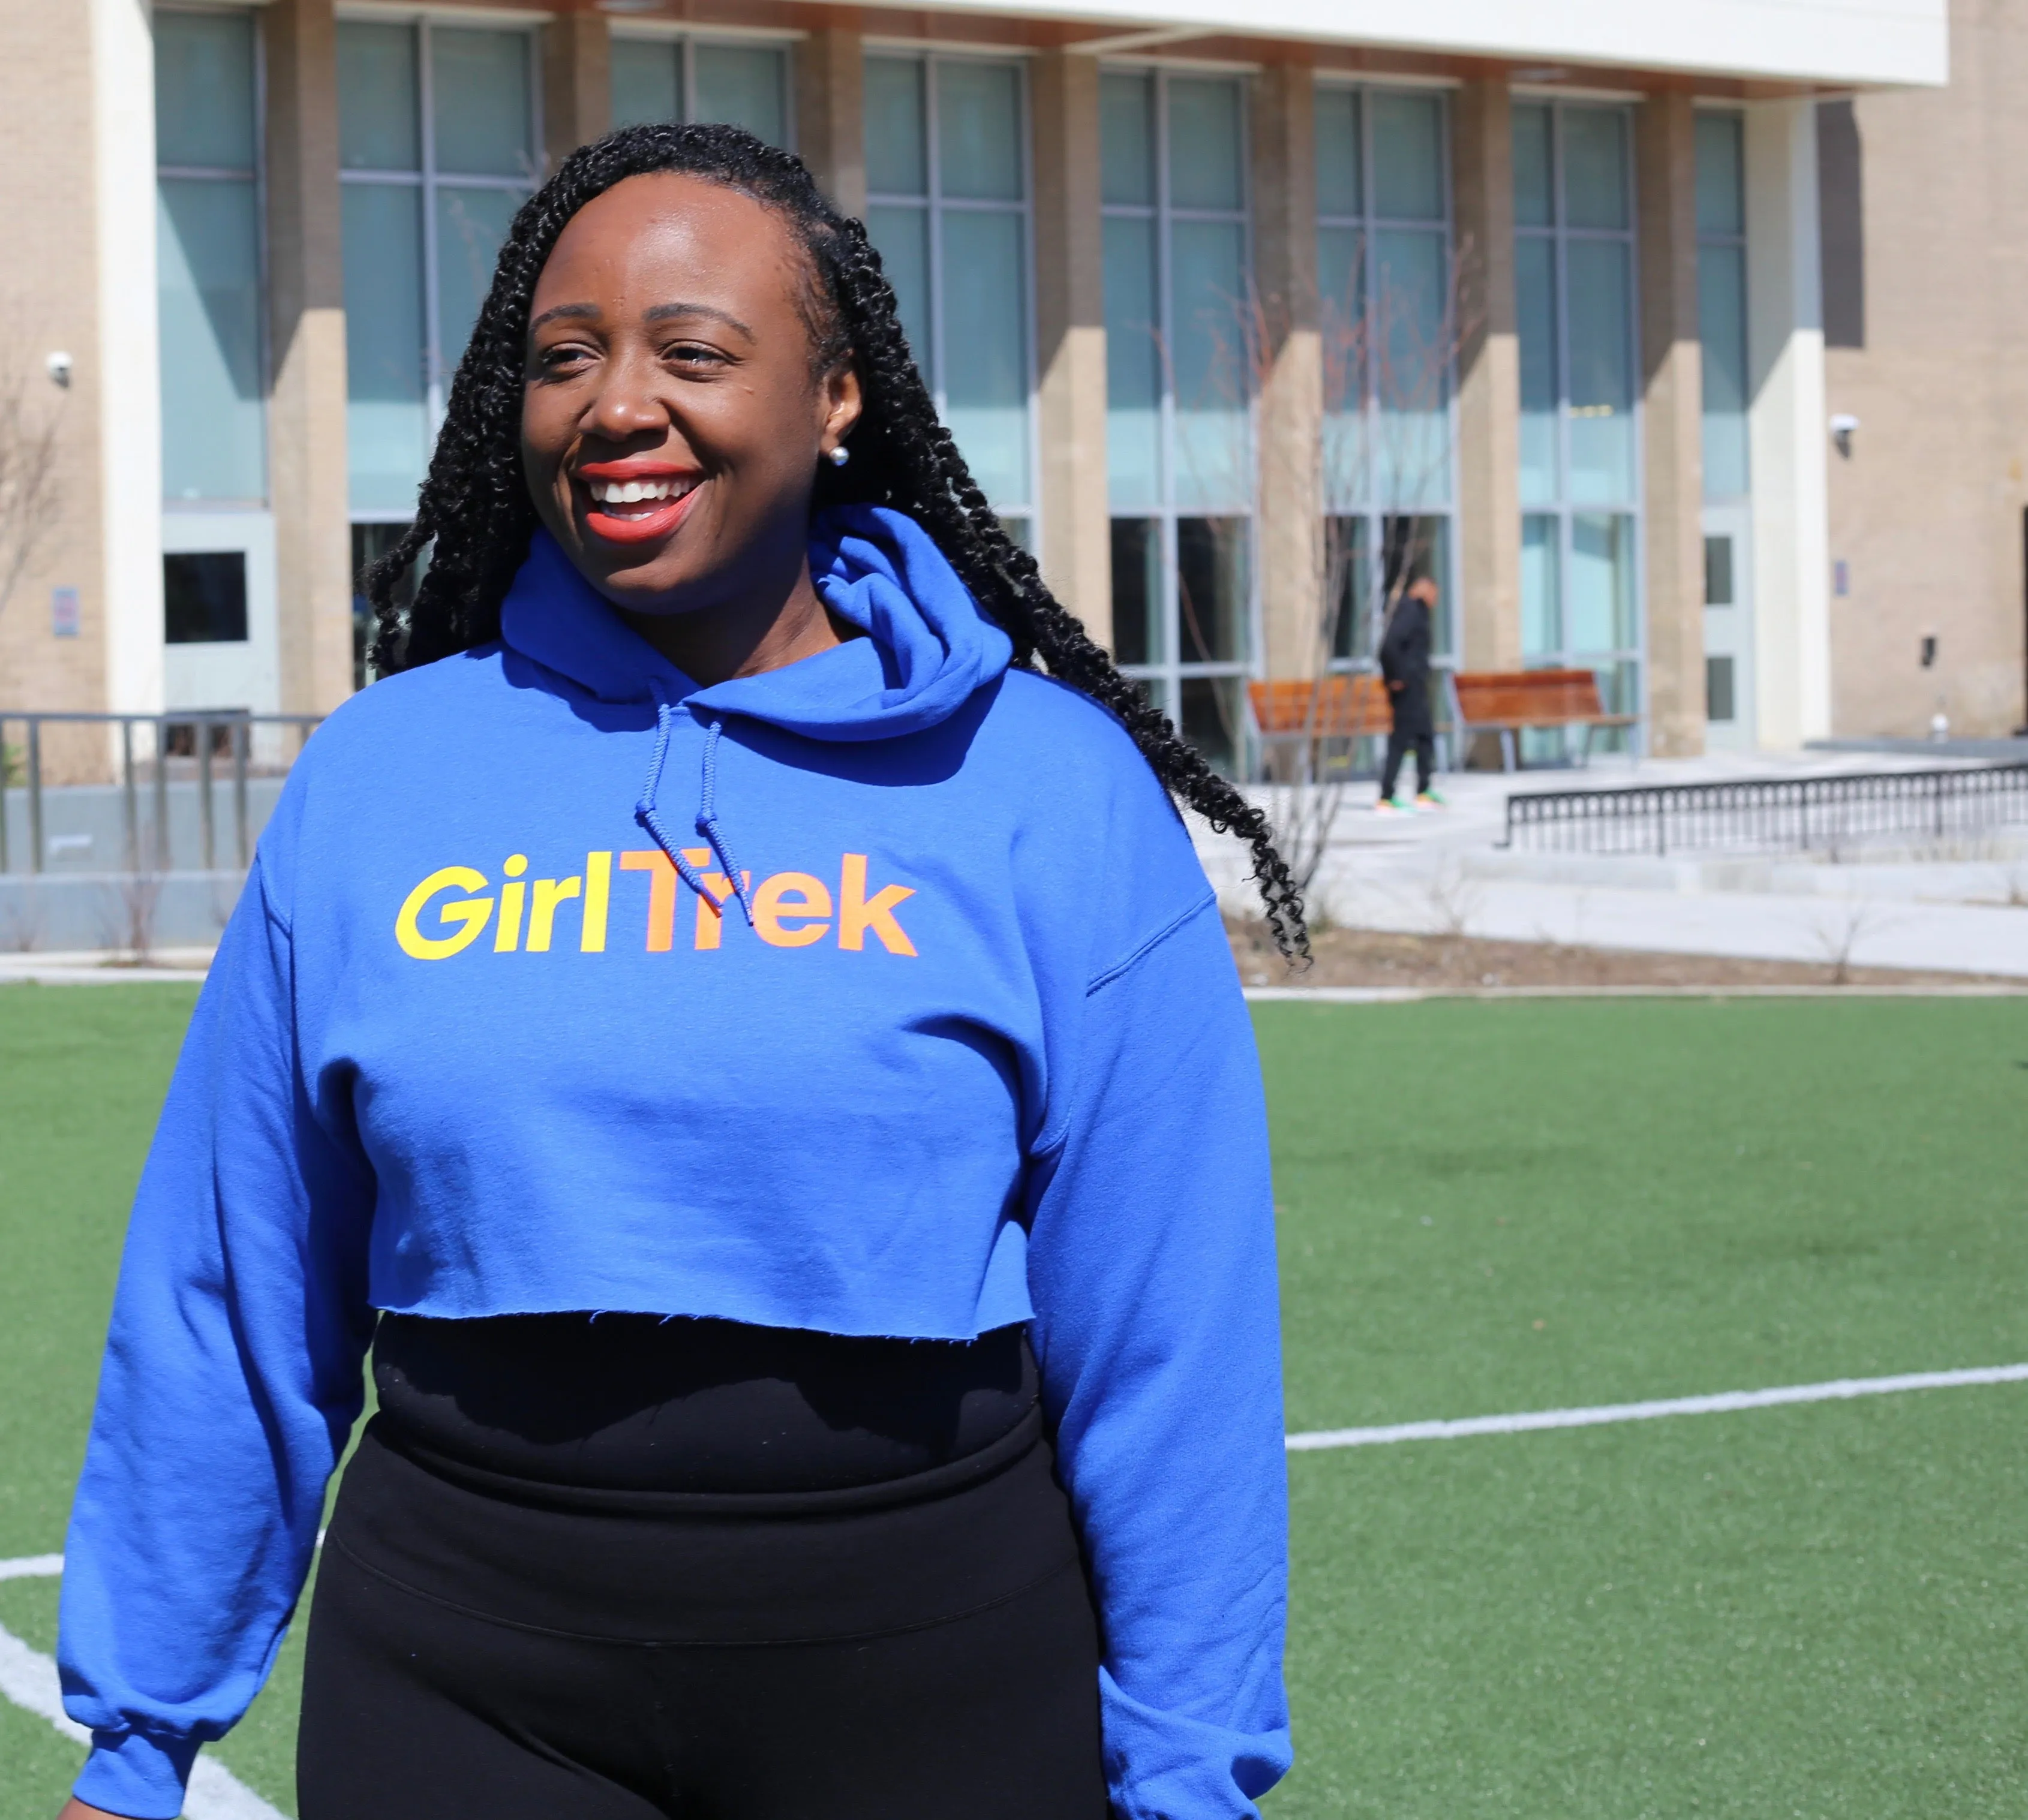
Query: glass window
204, 91
1340, 186
387, 414
208, 294
479, 84
379, 109
1722, 303
1205, 166
1178, 395
947, 174
743, 85
647, 78
1407, 157
204, 597
1127, 139
1389, 328
1580, 471
424, 213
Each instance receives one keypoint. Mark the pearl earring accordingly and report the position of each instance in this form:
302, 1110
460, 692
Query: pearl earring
840, 455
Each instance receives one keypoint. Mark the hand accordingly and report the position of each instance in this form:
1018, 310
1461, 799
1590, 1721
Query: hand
1396, 688
74, 1809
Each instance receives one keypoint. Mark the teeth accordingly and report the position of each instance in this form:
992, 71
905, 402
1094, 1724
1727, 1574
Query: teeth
633, 492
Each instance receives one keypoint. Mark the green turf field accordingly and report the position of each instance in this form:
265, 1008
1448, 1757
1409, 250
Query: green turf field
1817, 1611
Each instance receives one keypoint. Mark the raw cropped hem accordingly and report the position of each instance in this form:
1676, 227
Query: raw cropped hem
131, 1774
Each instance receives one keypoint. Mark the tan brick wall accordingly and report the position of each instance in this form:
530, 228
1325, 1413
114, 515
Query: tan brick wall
48, 302
1926, 512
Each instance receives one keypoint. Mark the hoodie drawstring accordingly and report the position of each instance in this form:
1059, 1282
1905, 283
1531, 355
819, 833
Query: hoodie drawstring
650, 817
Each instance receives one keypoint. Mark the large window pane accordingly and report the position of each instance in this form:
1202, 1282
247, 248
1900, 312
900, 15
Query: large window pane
1415, 548
1137, 591
1205, 170
1541, 588
1594, 168
471, 224
1212, 582
209, 275
1133, 365
1600, 602
1408, 157
985, 358
1211, 720
1722, 327
203, 89
896, 163
979, 131
1348, 583
1208, 360
1343, 326
647, 82
902, 235
1533, 191
1535, 303
378, 127
387, 414
742, 84
1127, 139
1412, 378
1601, 389
1721, 175
1341, 187
478, 83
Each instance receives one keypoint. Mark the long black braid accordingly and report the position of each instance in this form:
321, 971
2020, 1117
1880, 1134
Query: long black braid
474, 516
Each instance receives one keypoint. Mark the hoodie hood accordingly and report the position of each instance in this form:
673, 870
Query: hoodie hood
928, 647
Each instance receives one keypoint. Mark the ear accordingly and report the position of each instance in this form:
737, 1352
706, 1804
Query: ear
842, 400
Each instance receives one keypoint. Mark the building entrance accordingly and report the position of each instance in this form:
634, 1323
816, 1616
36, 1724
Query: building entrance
1728, 626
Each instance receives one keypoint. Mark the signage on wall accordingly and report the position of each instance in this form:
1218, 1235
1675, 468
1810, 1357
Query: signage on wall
63, 612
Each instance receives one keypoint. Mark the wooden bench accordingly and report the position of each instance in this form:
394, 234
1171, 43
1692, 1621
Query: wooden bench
1504, 702
1336, 708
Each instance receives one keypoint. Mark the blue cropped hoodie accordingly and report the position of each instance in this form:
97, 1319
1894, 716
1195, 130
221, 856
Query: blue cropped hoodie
878, 994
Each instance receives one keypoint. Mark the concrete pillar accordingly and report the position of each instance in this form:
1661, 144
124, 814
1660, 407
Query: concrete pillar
577, 82
1489, 583
1787, 426
1665, 160
1070, 337
306, 332
831, 113
129, 386
1289, 359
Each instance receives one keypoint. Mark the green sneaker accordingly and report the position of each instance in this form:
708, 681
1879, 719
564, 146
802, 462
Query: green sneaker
1391, 806
1429, 799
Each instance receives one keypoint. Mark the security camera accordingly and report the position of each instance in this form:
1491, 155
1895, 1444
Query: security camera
58, 366
1844, 427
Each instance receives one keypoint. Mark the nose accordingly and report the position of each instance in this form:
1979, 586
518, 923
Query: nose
627, 401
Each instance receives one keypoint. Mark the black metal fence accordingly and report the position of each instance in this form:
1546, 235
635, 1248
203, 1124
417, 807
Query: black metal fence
1788, 815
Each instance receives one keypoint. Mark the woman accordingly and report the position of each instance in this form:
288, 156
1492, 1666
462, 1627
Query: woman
814, 1201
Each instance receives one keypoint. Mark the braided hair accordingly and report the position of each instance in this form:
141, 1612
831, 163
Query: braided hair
474, 516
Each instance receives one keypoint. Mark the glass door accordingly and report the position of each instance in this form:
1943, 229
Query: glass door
1728, 628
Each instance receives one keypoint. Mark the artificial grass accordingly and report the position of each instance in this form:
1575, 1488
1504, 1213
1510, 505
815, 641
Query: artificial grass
1813, 1611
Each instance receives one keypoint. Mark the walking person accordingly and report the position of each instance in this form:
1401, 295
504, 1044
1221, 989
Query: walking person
759, 1067
1406, 647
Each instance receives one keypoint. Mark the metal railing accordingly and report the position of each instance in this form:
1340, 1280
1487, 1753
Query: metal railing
1794, 815
204, 730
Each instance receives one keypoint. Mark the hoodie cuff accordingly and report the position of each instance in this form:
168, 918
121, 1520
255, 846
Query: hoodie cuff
131, 1774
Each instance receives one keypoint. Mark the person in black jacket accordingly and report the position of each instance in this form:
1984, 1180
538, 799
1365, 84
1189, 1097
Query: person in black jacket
1404, 665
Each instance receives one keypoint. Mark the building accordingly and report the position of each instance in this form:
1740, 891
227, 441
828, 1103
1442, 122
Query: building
1234, 320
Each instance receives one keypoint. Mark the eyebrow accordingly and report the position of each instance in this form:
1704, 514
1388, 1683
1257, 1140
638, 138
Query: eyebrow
656, 312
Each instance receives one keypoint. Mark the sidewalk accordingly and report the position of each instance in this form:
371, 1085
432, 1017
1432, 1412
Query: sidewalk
1963, 910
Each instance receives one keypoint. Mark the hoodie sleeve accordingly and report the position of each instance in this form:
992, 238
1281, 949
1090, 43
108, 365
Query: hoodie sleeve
1152, 1267
232, 1376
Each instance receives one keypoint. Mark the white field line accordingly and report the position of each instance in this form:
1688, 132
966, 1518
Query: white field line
32, 1567
1725, 1401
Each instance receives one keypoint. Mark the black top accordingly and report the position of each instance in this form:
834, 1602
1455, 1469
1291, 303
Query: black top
638, 1403
1405, 644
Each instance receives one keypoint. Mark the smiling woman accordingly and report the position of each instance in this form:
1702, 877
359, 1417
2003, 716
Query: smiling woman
827, 1365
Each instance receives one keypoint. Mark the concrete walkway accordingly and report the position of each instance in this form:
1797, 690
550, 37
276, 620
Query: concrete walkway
1958, 909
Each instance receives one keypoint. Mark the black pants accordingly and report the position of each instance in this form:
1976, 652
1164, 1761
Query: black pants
1399, 741
487, 1647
